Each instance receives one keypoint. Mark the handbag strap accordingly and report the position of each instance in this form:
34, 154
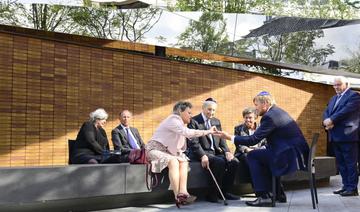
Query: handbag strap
154, 181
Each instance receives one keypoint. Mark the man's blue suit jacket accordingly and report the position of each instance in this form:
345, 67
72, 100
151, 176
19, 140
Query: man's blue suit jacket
345, 117
284, 139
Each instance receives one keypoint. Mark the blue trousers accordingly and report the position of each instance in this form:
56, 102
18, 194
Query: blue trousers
346, 154
259, 164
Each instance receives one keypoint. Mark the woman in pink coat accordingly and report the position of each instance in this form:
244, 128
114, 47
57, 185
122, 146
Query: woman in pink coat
166, 149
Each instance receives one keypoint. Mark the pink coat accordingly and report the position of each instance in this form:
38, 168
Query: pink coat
172, 133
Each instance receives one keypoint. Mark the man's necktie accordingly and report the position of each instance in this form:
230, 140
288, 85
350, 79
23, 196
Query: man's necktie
131, 140
210, 136
338, 97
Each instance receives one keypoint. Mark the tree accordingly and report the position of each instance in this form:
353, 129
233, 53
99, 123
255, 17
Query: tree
48, 17
301, 8
295, 48
355, 4
7, 11
95, 22
37, 16
130, 25
134, 24
228, 6
208, 34
352, 64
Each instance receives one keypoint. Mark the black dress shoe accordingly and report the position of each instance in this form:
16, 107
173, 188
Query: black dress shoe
281, 198
339, 191
212, 198
229, 196
260, 202
349, 193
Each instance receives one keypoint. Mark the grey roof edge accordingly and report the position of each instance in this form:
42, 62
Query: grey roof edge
304, 68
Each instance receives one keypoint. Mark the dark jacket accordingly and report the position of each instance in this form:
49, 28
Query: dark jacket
243, 130
202, 145
120, 140
284, 139
345, 117
90, 141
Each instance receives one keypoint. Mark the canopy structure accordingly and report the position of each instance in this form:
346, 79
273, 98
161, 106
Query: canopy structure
281, 25
235, 40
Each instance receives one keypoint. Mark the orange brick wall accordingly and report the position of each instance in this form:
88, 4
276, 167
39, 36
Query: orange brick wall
48, 88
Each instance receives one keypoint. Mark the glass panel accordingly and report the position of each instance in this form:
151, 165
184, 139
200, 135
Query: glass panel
218, 33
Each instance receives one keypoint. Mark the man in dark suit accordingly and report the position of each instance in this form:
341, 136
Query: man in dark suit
213, 152
124, 137
341, 120
286, 150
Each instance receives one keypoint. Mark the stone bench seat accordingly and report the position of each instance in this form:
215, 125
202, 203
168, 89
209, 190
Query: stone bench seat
85, 187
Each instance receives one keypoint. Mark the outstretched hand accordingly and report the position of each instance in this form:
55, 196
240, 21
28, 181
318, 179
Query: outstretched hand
223, 134
213, 130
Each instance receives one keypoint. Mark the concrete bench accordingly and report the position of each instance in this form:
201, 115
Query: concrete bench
94, 187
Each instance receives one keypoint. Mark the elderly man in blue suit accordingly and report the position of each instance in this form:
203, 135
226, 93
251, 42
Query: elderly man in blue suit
286, 150
341, 120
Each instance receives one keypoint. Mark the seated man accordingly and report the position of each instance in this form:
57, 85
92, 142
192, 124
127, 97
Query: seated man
286, 152
213, 152
124, 137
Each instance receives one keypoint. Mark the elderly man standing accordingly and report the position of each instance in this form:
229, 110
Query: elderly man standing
286, 149
125, 137
341, 120
213, 152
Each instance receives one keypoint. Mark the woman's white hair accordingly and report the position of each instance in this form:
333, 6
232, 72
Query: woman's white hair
99, 113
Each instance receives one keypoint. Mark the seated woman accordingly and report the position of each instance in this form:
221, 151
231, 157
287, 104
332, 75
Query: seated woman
92, 141
166, 149
245, 129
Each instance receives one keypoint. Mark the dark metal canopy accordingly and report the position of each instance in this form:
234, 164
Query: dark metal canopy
282, 25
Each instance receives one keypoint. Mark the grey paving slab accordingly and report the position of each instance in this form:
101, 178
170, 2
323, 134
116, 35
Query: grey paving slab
298, 201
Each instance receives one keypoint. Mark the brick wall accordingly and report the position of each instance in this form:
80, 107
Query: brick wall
48, 88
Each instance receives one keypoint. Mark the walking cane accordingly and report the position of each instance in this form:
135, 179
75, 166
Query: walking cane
217, 185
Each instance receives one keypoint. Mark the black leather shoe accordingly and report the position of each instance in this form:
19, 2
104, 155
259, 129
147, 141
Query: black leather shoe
281, 198
339, 191
349, 193
260, 202
229, 196
212, 198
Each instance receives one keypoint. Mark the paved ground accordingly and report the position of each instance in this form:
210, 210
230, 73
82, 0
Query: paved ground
298, 201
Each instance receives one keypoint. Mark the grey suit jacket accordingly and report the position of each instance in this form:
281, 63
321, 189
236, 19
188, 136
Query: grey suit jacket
120, 141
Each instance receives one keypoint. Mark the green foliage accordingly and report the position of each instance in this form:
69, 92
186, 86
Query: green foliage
48, 18
91, 21
7, 11
297, 48
352, 64
130, 25
228, 6
208, 34
301, 8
